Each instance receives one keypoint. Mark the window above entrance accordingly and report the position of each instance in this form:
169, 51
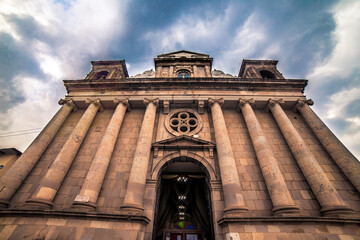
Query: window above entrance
183, 73
183, 122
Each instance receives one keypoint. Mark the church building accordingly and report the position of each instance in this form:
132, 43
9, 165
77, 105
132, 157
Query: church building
183, 152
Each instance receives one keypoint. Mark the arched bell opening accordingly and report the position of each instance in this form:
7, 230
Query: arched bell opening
183, 203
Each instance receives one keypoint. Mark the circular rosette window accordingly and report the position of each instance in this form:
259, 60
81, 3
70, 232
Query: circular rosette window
183, 122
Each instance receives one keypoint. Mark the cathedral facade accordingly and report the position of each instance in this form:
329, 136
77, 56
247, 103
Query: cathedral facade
183, 152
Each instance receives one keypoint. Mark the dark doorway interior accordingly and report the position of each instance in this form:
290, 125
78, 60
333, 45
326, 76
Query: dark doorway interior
183, 208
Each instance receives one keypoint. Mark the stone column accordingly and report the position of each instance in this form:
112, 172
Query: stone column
280, 195
134, 196
195, 71
90, 190
50, 184
234, 201
171, 72
339, 153
13, 178
207, 71
328, 197
158, 72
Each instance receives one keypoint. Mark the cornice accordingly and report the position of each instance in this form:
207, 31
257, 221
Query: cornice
252, 84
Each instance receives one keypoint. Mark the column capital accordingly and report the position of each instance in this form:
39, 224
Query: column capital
124, 102
301, 102
70, 102
154, 101
243, 101
97, 102
272, 102
212, 101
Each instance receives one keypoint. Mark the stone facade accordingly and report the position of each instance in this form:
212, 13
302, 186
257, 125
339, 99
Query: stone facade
265, 165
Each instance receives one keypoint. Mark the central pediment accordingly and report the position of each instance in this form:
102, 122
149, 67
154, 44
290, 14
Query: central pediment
183, 54
183, 142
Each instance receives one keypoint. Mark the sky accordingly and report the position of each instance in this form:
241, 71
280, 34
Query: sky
43, 42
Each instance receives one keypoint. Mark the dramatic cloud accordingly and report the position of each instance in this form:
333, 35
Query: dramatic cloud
335, 81
43, 42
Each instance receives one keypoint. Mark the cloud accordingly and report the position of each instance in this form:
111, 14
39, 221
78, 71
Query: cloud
45, 42
335, 81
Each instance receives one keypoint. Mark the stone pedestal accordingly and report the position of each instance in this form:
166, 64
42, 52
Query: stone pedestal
339, 153
87, 198
50, 184
134, 196
13, 178
326, 194
282, 201
234, 201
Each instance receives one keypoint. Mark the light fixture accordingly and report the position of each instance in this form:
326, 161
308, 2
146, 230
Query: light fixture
182, 197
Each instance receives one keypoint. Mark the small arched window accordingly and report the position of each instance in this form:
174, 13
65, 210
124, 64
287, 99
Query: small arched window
267, 74
183, 73
102, 75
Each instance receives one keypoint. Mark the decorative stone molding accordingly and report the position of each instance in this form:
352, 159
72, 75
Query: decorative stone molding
201, 106
166, 105
191, 156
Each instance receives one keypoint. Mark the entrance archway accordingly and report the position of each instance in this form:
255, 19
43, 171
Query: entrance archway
183, 203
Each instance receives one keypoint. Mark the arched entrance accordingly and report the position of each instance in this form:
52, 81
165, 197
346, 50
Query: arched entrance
183, 202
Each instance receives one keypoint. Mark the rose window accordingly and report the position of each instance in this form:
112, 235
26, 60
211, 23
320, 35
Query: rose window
183, 122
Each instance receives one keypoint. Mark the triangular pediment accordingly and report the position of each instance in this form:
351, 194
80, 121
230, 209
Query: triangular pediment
183, 141
183, 54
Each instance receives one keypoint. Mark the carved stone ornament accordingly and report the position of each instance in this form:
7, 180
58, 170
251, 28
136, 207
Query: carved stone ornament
154, 101
201, 106
301, 102
97, 102
183, 121
272, 103
125, 102
212, 101
70, 102
242, 101
166, 106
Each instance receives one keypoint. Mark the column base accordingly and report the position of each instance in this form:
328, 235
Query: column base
283, 211
337, 211
38, 204
132, 207
83, 207
4, 204
236, 211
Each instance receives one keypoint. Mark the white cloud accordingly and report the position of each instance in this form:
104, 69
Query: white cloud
72, 34
247, 38
346, 54
336, 109
192, 30
342, 65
